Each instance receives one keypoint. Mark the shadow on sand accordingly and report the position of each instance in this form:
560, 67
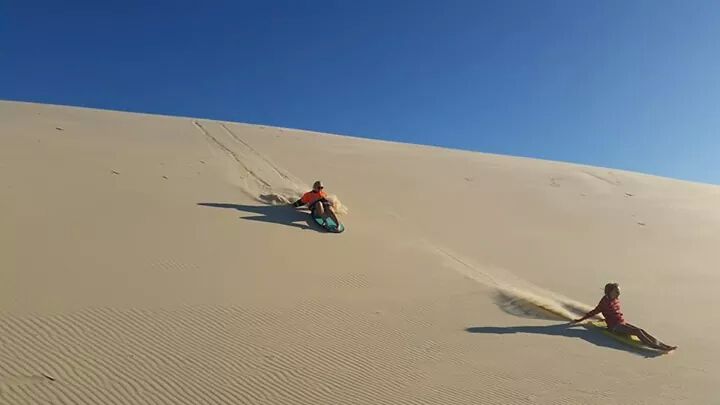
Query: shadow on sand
566, 330
275, 214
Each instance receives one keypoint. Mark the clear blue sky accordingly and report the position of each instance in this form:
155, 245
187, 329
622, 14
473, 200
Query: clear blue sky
626, 84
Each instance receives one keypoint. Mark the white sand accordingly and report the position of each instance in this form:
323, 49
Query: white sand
116, 287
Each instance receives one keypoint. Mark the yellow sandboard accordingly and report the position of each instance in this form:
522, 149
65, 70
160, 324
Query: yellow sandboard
628, 340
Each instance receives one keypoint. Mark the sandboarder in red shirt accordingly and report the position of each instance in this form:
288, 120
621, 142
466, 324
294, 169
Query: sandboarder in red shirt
609, 305
317, 201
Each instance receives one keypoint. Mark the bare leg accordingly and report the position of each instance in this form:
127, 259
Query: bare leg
644, 337
652, 338
647, 339
331, 213
319, 210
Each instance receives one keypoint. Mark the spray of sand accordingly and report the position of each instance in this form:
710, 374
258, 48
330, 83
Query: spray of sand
513, 294
538, 305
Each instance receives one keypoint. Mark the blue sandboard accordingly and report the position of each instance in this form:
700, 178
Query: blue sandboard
328, 224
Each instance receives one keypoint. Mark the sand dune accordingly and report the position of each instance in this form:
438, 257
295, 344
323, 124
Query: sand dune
153, 260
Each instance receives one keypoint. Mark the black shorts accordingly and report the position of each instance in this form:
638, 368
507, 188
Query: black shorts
324, 202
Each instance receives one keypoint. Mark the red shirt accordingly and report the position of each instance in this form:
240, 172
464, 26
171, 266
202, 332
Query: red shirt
610, 310
311, 196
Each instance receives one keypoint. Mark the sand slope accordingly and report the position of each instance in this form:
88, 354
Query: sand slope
146, 260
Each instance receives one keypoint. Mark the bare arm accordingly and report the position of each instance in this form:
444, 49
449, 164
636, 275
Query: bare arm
590, 314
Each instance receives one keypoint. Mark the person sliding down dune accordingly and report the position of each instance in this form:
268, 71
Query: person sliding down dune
316, 200
609, 305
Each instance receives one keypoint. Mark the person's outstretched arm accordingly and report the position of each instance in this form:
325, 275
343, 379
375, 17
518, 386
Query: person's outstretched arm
590, 314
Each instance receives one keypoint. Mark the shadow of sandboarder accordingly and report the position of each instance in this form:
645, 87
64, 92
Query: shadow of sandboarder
566, 330
275, 214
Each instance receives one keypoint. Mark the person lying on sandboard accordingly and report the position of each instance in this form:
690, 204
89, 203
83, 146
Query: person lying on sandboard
609, 305
317, 202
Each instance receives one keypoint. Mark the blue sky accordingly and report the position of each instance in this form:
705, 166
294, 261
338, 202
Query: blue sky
625, 84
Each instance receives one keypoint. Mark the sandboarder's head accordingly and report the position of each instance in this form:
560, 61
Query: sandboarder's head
317, 186
612, 290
